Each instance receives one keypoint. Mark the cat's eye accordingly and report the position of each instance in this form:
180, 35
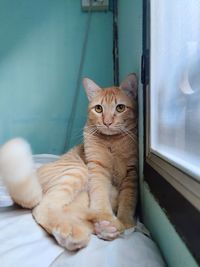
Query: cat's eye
120, 108
98, 108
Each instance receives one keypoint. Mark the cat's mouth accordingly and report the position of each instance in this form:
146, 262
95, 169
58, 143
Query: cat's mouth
112, 130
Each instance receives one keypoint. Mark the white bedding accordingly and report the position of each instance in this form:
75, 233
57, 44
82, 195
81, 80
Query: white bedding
25, 244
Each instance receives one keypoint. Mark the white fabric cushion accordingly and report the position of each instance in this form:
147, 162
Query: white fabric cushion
24, 243
132, 250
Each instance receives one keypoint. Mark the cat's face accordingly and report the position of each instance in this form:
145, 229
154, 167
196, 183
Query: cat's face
112, 110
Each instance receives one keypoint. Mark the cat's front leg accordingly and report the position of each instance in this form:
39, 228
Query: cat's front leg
107, 226
99, 188
127, 200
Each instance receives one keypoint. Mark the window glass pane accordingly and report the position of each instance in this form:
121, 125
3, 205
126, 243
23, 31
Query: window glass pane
175, 82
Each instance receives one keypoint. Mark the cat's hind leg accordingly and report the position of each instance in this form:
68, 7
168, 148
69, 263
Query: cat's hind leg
19, 174
66, 222
74, 234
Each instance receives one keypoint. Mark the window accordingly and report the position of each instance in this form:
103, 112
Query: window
175, 83
173, 96
171, 78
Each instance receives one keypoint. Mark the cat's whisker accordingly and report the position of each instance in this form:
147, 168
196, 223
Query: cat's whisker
127, 132
91, 132
89, 126
79, 130
78, 135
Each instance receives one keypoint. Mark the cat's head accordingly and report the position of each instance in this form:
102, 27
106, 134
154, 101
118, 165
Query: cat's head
112, 110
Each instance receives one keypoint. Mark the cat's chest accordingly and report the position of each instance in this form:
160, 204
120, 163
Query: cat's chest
119, 163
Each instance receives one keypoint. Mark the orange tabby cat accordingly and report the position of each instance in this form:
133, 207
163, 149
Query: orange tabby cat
105, 166
111, 153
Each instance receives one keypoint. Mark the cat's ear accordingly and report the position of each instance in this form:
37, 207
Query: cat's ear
130, 85
91, 88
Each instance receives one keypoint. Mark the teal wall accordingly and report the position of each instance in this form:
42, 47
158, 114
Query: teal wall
172, 247
40, 52
130, 38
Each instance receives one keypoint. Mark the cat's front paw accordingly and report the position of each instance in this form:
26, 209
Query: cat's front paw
108, 227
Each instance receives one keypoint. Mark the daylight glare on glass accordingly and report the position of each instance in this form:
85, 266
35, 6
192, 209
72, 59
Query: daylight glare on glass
175, 82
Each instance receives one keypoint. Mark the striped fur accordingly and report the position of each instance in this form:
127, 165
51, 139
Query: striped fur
105, 166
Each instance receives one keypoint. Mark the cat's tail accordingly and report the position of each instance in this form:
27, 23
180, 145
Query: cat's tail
19, 174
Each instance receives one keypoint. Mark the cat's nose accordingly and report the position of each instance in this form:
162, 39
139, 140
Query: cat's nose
107, 123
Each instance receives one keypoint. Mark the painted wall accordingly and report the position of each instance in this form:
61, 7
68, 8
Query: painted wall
130, 38
40, 50
173, 249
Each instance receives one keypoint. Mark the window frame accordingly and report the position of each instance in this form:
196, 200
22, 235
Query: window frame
164, 178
